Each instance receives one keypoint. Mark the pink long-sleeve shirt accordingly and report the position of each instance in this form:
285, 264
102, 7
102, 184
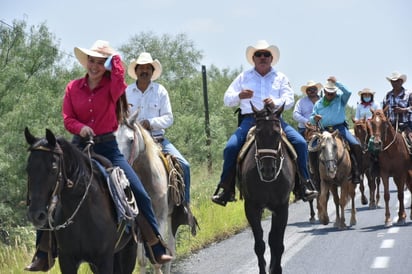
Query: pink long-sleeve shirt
95, 108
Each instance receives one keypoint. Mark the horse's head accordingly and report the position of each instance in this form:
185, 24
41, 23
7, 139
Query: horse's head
378, 127
328, 153
43, 170
126, 137
268, 140
360, 128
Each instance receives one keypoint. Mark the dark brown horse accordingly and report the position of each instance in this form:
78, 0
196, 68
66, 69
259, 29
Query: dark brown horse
68, 194
369, 165
394, 161
310, 131
335, 173
267, 177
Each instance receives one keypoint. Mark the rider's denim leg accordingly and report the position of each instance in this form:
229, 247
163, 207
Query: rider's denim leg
300, 145
111, 151
168, 147
233, 147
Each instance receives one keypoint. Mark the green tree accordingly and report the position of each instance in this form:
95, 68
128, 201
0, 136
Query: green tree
32, 81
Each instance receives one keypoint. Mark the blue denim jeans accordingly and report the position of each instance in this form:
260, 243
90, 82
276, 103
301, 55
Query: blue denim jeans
168, 147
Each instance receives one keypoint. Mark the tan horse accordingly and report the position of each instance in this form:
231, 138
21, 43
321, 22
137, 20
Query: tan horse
369, 166
335, 174
390, 146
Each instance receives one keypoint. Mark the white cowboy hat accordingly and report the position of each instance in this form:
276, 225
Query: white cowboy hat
262, 45
395, 76
311, 83
330, 87
366, 91
145, 58
82, 53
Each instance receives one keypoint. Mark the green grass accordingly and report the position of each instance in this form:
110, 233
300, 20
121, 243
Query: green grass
216, 223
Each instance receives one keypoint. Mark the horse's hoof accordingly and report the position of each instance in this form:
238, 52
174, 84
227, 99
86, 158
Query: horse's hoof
401, 222
388, 224
364, 200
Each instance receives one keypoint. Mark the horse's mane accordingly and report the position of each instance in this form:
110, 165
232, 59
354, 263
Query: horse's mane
76, 162
153, 150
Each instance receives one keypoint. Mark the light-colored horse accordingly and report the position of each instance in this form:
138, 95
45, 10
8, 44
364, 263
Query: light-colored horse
143, 154
335, 174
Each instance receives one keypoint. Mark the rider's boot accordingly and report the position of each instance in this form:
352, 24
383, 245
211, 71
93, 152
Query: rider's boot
228, 191
154, 245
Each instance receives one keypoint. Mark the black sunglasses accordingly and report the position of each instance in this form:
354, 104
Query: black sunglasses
264, 53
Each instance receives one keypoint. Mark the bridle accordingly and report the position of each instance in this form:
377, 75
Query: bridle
275, 154
60, 180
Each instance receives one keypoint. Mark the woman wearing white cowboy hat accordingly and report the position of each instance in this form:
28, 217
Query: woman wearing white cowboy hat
304, 106
152, 102
103, 86
260, 85
363, 109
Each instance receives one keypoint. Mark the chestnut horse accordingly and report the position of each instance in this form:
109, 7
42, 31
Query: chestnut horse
266, 179
369, 165
335, 174
390, 145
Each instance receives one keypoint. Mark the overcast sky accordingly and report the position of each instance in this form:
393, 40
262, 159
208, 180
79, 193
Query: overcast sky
358, 41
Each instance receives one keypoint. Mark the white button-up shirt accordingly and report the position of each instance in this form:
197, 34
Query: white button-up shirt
273, 85
153, 105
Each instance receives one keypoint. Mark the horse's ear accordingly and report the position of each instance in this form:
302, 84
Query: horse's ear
384, 110
335, 133
280, 109
29, 137
353, 119
51, 139
255, 110
133, 117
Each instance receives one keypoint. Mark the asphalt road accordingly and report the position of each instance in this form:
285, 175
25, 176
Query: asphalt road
367, 247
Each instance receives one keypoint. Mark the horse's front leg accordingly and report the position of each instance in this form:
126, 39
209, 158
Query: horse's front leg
400, 184
340, 217
254, 215
276, 237
364, 200
386, 197
323, 203
68, 265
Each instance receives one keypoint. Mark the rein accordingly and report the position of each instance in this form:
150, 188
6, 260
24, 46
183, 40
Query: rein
60, 178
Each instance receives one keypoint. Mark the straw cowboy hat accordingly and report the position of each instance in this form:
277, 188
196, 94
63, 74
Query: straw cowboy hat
330, 87
145, 58
95, 51
395, 76
366, 91
311, 84
262, 45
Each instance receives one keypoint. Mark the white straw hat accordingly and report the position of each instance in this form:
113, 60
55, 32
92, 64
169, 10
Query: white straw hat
262, 45
145, 58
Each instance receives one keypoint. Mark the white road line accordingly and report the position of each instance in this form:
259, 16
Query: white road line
388, 243
380, 262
